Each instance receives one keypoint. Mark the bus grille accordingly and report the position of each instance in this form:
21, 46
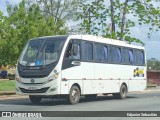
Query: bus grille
43, 90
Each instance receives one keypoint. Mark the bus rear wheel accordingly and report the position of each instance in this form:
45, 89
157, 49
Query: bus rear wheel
35, 99
74, 95
122, 94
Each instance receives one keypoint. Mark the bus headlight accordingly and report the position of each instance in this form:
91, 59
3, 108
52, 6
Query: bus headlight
53, 77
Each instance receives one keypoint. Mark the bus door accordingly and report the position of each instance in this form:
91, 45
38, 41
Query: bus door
71, 66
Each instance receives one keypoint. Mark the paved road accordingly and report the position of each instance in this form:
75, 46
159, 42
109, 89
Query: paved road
148, 101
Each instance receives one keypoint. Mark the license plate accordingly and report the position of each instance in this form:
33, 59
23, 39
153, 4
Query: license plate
32, 88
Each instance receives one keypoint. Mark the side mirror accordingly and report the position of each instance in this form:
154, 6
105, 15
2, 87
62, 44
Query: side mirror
75, 49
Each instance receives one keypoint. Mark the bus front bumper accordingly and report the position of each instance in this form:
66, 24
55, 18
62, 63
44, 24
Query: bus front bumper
43, 89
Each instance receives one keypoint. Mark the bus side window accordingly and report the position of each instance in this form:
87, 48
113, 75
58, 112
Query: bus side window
101, 53
105, 48
75, 54
115, 55
89, 51
131, 57
68, 51
73, 51
128, 57
139, 57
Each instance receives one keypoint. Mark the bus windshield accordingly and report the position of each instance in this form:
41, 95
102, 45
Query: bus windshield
41, 52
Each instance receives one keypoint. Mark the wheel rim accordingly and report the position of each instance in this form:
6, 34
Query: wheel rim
74, 96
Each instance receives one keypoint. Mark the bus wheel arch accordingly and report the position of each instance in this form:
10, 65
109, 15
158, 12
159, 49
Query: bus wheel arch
125, 85
76, 84
122, 93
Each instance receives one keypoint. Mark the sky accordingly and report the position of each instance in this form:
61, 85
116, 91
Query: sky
152, 45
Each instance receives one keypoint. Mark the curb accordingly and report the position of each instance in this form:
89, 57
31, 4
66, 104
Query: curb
150, 90
7, 93
4, 79
12, 97
151, 86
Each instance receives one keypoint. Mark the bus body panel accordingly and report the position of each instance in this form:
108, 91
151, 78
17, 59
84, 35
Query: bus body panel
82, 75
91, 77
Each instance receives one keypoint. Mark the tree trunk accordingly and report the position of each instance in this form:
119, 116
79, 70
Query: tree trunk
123, 20
57, 11
112, 17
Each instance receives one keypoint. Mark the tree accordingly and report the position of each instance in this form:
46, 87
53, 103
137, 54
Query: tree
112, 20
153, 64
23, 23
59, 9
2, 39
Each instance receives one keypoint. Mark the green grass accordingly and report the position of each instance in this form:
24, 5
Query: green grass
8, 85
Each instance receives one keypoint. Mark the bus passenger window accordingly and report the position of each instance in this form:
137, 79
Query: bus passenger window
101, 53
125, 56
139, 57
89, 51
131, 57
105, 53
115, 55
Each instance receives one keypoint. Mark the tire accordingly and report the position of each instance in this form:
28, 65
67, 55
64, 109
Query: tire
122, 94
35, 99
74, 95
91, 97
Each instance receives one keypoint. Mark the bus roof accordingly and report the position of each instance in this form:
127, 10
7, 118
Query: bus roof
57, 36
106, 40
95, 39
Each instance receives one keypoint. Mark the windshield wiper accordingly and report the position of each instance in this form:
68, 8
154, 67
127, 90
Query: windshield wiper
31, 60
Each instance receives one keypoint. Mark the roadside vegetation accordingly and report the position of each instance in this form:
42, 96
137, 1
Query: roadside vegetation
7, 85
36, 18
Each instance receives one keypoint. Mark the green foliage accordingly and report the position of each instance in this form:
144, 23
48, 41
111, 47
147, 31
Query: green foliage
153, 64
59, 9
147, 14
99, 18
23, 23
92, 15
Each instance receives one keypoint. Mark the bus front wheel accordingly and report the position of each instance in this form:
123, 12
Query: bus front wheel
35, 99
74, 95
122, 94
